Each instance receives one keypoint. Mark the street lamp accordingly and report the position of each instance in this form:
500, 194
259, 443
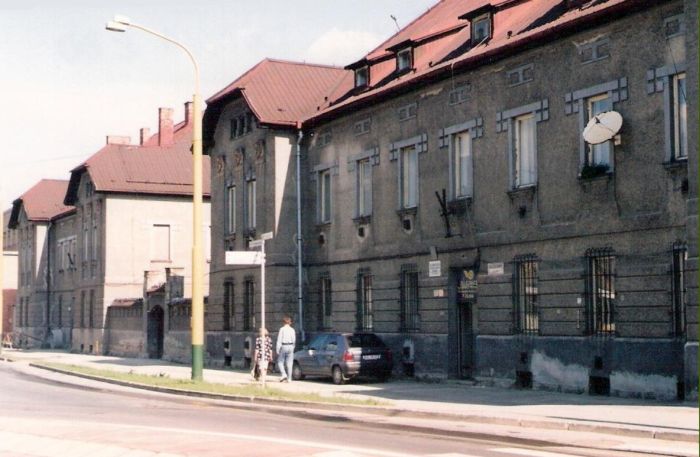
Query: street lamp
120, 24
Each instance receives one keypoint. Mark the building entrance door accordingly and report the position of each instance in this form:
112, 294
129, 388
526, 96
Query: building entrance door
155, 332
466, 301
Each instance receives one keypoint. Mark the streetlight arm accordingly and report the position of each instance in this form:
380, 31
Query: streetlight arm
176, 43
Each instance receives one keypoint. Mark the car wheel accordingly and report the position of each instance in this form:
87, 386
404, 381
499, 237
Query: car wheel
338, 377
296, 372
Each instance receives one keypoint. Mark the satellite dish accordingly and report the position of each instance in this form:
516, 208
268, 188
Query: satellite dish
602, 127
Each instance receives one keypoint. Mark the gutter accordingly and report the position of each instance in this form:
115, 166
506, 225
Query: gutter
299, 239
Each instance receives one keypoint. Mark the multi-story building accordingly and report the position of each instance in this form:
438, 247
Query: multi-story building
452, 205
33, 219
9, 275
128, 217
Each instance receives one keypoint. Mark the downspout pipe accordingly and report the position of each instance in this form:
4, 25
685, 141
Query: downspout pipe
48, 283
300, 296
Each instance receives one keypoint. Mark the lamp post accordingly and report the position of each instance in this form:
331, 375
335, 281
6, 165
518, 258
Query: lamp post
120, 24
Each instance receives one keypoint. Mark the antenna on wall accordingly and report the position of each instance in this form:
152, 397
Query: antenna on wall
393, 18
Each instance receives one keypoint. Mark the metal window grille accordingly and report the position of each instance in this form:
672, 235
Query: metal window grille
600, 291
680, 254
365, 311
525, 310
325, 304
409, 298
249, 305
91, 316
228, 304
82, 309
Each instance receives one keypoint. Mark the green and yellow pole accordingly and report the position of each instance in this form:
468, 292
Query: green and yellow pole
197, 252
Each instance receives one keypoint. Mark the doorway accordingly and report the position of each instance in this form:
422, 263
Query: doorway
155, 332
464, 294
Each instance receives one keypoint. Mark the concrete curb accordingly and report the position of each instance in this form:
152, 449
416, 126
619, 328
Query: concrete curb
575, 426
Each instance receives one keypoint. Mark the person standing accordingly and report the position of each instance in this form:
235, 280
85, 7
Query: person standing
286, 339
263, 353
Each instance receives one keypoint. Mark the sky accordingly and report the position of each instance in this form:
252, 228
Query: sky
67, 82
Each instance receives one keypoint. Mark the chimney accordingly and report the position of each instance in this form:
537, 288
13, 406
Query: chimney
145, 133
118, 139
165, 126
189, 111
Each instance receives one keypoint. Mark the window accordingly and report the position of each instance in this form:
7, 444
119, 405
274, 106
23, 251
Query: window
324, 196
408, 112
462, 165
597, 50
249, 305
525, 313
326, 303
598, 155
679, 257
409, 299
679, 117
60, 311
404, 60
362, 127
91, 314
86, 232
95, 233
231, 209
409, 177
233, 133
82, 309
228, 305
460, 93
160, 243
365, 311
364, 187
362, 77
524, 151
481, 28
249, 123
600, 291
520, 75
250, 204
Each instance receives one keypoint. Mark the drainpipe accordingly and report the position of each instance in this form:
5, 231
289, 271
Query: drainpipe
299, 238
48, 283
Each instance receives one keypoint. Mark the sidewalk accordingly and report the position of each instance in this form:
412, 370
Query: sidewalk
455, 407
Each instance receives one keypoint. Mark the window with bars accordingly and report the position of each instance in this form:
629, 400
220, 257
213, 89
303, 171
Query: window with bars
525, 311
228, 305
82, 309
409, 299
679, 256
365, 311
91, 315
325, 303
600, 291
249, 305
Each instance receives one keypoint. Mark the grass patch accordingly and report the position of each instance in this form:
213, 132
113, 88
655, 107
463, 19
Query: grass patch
247, 390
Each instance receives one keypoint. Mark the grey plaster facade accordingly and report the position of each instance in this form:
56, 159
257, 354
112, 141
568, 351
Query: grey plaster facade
467, 320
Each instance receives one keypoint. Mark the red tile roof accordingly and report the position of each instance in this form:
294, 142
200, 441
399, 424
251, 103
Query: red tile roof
442, 41
42, 203
148, 169
281, 93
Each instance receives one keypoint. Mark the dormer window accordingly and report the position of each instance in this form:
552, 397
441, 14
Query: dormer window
362, 76
481, 23
404, 59
481, 28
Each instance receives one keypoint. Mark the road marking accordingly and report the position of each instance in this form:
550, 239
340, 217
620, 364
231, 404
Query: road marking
531, 452
43, 446
238, 436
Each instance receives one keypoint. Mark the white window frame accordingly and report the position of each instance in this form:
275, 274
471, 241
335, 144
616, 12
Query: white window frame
362, 76
404, 59
679, 117
251, 211
461, 154
325, 196
594, 151
484, 18
521, 150
230, 202
364, 187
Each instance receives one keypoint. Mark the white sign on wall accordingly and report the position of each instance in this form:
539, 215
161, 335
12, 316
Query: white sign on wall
495, 268
244, 257
434, 269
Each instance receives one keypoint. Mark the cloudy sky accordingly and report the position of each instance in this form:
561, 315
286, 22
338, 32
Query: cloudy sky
67, 83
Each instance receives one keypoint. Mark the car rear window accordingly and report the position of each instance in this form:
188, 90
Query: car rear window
365, 340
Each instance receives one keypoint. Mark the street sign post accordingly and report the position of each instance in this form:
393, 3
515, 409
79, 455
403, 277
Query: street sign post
255, 258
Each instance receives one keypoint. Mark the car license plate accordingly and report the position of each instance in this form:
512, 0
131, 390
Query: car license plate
371, 357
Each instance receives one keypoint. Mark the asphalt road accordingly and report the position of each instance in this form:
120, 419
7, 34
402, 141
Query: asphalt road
42, 418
